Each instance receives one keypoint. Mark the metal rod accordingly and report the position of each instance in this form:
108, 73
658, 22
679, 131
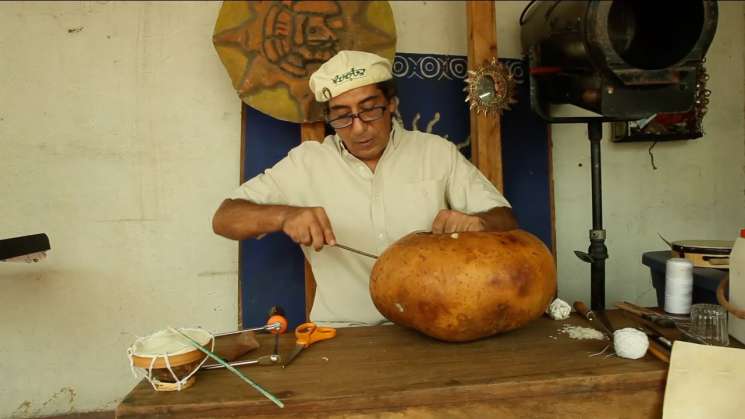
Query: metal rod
597, 251
359, 252
232, 364
262, 360
595, 133
230, 368
267, 327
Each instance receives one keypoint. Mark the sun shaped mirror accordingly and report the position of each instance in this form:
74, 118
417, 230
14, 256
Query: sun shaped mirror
491, 88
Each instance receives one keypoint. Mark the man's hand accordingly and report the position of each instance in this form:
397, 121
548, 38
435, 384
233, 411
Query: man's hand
308, 226
451, 221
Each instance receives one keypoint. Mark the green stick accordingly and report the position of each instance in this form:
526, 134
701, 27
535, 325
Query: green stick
209, 353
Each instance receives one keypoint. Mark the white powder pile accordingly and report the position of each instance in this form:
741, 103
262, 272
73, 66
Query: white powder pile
577, 332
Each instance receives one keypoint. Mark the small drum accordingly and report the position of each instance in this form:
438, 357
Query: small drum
704, 253
168, 360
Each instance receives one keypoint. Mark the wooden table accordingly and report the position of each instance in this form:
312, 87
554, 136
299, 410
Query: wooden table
387, 371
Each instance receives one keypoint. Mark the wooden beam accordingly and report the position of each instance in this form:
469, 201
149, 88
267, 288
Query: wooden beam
312, 131
486, 137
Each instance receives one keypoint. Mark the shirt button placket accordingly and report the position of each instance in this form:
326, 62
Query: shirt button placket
378, 214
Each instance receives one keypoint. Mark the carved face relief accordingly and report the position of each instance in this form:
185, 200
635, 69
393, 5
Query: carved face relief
296, 37
271, 48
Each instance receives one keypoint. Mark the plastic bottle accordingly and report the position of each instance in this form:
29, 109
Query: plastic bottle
737, 286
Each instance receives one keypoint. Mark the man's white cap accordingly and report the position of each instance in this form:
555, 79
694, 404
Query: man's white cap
348, 70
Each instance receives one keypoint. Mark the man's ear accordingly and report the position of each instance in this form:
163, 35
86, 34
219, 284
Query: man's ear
393, 104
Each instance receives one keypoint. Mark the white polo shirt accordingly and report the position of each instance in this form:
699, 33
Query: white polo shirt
417, 175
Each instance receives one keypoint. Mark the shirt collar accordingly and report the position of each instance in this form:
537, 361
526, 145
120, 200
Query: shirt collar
392, 139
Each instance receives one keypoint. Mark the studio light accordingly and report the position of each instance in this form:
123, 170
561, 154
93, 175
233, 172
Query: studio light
622, 60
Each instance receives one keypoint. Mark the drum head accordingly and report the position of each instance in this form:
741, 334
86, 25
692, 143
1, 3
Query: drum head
168, 343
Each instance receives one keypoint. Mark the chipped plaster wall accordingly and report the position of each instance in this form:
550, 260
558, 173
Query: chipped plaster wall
119, 135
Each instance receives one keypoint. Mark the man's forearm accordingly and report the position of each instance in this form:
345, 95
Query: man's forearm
498, 219
239, 219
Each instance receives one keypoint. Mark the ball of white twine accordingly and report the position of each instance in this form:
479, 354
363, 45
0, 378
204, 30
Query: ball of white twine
630, 343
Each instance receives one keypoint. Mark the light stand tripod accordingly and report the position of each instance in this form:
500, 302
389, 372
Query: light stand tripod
597, 253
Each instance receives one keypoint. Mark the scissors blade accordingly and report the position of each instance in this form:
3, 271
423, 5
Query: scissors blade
295, 352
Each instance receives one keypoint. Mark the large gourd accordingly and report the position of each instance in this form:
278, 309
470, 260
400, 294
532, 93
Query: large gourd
464, 286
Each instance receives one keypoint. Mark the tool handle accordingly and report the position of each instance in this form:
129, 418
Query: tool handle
644, 314
639, 309
582, 309
321, 333
667, 343
630, 308
282, 324
308, 334
659, 352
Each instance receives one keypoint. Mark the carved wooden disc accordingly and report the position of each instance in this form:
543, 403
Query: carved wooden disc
270, 48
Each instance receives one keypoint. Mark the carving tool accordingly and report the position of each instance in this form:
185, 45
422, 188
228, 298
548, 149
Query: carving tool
359, 252
646, 314
594, 318
370, 255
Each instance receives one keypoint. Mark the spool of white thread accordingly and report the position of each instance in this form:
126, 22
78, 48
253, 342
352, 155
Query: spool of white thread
678, 285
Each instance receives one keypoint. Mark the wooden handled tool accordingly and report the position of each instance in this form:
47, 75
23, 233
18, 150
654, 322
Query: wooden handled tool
633, 308
659, 352
591, 316
646, 314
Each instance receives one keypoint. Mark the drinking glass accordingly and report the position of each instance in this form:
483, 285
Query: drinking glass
709, 322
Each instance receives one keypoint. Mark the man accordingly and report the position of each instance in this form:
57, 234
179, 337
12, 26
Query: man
365, 187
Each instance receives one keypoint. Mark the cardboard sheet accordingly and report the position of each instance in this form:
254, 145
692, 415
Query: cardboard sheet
706, 382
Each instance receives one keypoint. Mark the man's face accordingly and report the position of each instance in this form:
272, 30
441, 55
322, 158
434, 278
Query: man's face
365, 140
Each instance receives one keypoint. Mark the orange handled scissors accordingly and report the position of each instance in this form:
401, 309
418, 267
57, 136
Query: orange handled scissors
308, 334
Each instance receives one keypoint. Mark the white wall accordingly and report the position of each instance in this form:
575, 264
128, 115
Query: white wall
121, 139
118, 141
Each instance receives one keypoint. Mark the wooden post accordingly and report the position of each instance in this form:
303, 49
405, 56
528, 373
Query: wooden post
486, 137
312, 131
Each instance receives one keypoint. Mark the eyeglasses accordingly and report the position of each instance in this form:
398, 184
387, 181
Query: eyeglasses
368, 115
